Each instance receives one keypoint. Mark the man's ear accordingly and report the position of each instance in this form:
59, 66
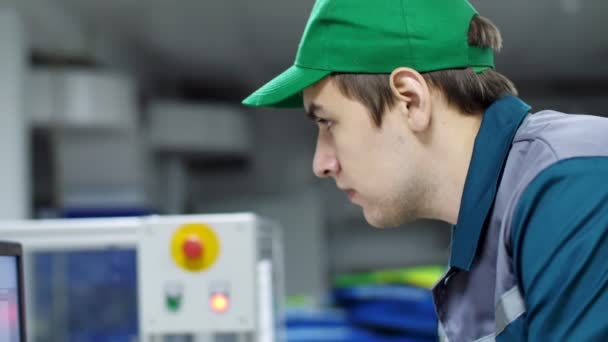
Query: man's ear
413, 96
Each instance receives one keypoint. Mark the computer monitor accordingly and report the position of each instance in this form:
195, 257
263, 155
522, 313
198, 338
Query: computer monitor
12, 322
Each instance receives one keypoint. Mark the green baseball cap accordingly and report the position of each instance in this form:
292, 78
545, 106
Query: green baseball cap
365, 36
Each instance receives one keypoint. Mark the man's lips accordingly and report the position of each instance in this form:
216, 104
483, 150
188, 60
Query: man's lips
350, 193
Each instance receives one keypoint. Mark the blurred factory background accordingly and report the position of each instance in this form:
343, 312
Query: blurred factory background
128, 107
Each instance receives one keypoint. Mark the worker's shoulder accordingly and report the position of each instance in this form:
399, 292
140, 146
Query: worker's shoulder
563, 135
548, 137
542, 143
553, 153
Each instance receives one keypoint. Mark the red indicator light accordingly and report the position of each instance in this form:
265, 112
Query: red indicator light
219, 302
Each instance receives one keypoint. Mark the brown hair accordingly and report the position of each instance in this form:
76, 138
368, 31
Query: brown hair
463, 88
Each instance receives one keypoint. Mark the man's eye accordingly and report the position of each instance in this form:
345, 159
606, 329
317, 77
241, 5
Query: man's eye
324, 122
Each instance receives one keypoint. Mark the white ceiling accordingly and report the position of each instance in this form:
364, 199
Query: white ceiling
247, 42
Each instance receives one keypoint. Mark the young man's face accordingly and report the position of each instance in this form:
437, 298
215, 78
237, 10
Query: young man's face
376, 166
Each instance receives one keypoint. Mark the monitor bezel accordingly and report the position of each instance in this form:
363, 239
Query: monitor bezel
15, 249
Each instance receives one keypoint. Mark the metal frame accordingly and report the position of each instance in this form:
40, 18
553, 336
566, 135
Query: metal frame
51, 235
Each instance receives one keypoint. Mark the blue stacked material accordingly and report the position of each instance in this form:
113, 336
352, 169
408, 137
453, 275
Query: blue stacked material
303, 317
390, 312
367, 319
317, 326
346, 334
396, 317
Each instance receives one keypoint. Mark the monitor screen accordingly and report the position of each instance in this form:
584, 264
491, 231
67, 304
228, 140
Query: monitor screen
10, 290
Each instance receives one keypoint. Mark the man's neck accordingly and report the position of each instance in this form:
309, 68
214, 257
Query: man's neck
456, 134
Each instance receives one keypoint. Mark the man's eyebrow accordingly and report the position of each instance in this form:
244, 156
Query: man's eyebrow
311, 111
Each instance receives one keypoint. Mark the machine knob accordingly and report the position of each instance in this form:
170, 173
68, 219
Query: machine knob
193, 247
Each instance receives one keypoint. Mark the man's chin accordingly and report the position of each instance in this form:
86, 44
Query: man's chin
378, 220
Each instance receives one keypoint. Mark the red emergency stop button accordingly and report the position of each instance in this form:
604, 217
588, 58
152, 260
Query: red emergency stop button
193, 247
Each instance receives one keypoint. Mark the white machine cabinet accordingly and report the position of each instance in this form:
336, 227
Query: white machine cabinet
197, 275
207, 274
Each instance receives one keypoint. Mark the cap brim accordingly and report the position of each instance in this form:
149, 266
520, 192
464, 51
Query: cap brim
285, 90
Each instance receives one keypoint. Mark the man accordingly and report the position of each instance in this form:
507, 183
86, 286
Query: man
414, 122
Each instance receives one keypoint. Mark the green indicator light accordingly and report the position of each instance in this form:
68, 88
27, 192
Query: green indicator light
173, 303
173, 296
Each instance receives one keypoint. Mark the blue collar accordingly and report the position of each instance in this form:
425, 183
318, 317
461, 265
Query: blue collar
492, 144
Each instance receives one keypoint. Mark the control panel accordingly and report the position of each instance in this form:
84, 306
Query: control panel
203, 274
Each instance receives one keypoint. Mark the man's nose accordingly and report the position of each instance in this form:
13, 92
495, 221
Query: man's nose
325, 163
